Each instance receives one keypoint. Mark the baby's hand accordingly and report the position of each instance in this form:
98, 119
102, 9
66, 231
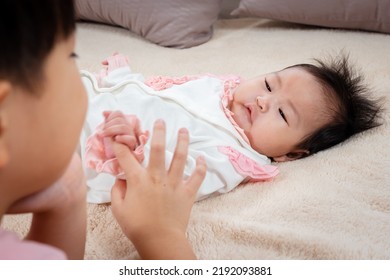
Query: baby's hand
111, 63
115, 61
122, 129
116, 128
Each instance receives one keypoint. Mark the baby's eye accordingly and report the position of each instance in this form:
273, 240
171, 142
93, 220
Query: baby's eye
267, 85
282, 115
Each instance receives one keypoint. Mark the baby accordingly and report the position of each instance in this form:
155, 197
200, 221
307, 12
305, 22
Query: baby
238, 126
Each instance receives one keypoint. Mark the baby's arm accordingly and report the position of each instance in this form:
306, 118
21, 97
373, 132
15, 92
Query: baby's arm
116, 69
153, 205
59, 212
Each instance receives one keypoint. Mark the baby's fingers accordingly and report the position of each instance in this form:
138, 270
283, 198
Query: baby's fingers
110, 115
195, 180
117, 129
128, 140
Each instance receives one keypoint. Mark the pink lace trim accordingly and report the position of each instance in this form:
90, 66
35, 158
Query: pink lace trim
248, 167
99, 155
229, 86
162, 82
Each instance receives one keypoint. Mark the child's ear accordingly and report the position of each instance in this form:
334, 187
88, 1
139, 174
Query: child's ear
5, 89
296, 154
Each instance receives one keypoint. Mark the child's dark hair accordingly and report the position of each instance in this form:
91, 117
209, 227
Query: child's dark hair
29, 30
353, 109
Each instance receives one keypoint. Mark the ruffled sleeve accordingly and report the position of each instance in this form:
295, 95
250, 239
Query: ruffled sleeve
99, 155
247, 166
164, 82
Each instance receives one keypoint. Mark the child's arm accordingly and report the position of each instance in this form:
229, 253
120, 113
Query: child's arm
154, 206
59, 212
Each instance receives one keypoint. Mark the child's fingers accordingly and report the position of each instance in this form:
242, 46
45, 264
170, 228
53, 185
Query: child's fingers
157, 149
179, 158
127, 161
195, 180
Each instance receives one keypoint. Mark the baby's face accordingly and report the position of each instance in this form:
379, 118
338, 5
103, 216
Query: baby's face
278, 110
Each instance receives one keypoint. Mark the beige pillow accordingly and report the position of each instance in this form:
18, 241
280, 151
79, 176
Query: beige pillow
169, 23
373, 15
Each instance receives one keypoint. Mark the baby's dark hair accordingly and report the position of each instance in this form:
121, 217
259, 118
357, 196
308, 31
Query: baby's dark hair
352, 109
29, 30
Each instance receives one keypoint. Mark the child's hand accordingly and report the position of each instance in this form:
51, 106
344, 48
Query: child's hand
68, 189
153, 205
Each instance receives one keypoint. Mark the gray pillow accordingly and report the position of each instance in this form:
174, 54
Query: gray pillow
372, 15
169, 23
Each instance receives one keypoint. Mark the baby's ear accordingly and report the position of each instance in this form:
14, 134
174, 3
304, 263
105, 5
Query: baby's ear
5, 89
296, 154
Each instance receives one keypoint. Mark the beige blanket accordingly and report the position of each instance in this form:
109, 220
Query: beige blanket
333, 205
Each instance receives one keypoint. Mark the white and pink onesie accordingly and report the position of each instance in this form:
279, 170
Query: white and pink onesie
196, 103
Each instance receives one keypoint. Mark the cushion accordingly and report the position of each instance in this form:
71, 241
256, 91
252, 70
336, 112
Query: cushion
372, 15
169, 23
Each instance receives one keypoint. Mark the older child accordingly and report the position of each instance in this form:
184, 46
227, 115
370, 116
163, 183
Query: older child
237, 126
41, 94
42, 99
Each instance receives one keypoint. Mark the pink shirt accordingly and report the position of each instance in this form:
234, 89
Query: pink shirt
13, 248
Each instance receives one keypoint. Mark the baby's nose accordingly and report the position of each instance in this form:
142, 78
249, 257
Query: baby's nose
263, 103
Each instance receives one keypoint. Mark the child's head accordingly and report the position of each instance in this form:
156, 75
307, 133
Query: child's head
29, 32
303, 109
42, 99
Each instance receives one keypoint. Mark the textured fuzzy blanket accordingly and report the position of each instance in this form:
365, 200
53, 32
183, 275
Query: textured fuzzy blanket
333, 205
